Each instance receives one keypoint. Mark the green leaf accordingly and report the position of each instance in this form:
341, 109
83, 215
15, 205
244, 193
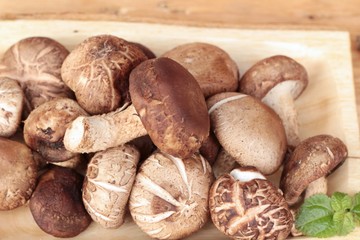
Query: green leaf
341, 202
315, 217
344, 222
356, 206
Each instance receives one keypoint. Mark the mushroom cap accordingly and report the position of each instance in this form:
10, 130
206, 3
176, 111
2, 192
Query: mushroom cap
98, 69
12, 100
244, 205
211, 66
56, 203
107, 185
35, 63
267, 73
313, 158
169, 199
248, 130
149, 54
45, 127
210, 148
18, 174
171, 106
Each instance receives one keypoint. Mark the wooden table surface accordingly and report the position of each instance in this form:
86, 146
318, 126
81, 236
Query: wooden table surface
296, 14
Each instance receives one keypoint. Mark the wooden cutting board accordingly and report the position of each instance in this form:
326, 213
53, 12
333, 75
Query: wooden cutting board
327, 105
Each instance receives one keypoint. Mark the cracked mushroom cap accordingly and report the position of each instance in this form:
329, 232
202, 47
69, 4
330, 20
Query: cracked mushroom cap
244, 205
248, 130
171, 106
313, 158
45, 127
56, 204
98, 69
35, 63
108, 182
18, 174
267, 73
11, 100
169, 199
211, 66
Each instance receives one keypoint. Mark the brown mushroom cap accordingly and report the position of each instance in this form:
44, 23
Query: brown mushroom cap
35, 63
11, 100
248, 130
56, 203
312, 159
211, 66
97, 70
169, 199
18, 173
171, 106
107, 185
45, 127
267, 73
210, 148
244, 205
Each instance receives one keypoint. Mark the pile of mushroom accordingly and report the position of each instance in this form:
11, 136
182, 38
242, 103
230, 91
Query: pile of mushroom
176, 140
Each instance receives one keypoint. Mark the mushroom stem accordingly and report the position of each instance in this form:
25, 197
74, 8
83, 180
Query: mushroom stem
281, 100
99, 132
316, 187
246, 174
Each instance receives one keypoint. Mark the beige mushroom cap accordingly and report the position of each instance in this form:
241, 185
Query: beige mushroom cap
35, 62
211, 66
312, 159
18, 173
11, 102
109, 178
248, 130
244, 205
98, 69
169, 199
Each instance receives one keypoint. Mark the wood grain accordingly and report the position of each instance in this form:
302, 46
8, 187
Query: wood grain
330, 91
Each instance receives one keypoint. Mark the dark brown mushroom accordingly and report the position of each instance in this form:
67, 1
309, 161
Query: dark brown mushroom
56, 204
313, 159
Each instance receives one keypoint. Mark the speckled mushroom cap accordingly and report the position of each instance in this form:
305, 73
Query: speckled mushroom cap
312, 159
248, 130
56, 203
109, 178
244, 205
211, 66
265, 74
35, 63
18, 173
171, 106
45, 127
97, 70
169, 199
12, 101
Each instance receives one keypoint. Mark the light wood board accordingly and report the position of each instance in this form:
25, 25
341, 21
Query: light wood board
327, 105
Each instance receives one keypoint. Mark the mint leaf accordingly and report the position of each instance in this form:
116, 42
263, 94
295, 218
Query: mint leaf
341, 202
356, 206
315, 217
344, 222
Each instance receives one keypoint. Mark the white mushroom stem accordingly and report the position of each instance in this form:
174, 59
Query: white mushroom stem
99, 132
246, 175
281, 99
316, 187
